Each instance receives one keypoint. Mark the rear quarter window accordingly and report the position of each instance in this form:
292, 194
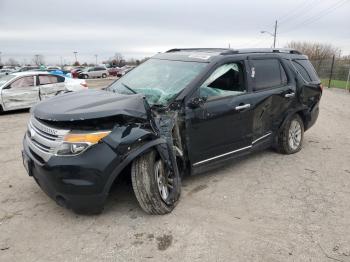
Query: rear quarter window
306, 69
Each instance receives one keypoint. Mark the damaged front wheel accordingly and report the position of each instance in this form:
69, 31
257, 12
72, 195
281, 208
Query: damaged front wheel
156, 188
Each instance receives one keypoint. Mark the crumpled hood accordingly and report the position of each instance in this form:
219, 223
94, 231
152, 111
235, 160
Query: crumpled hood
90, 104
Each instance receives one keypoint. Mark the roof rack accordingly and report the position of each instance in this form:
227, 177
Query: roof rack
229, 51
217, 50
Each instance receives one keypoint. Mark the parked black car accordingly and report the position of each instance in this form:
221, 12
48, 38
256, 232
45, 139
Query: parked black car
180, 113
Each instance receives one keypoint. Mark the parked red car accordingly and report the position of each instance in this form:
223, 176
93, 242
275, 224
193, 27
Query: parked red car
113, 71
75, 71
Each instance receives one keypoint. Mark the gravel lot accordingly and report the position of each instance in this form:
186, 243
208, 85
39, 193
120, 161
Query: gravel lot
265, 207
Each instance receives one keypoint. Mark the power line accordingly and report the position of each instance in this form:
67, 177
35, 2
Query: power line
296, 11
318, 16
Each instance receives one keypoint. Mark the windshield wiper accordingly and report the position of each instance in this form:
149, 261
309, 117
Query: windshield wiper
129, 88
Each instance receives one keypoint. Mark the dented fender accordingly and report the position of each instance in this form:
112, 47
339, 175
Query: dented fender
129, 158
131, 141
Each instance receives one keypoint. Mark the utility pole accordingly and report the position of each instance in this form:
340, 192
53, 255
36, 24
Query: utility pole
37, 60
96, 58
75, 54
275, 35
0, 58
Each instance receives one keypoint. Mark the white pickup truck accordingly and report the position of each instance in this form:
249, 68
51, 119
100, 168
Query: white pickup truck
25, 89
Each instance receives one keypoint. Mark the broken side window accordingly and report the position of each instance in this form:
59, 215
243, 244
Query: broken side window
226, 80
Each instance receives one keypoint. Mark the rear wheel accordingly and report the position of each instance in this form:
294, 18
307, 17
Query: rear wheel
104, 75
1, 110
85, 76
156, 188
290, 138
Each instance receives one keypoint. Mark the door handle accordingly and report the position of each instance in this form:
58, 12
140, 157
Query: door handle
289, 95
245, 106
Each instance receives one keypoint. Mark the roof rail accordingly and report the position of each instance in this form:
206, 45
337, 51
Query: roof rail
229, 51
219, 50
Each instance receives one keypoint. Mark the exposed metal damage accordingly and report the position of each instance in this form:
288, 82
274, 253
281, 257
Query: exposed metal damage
135, 127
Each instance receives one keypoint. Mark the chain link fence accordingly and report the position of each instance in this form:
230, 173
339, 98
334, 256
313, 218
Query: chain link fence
334, 73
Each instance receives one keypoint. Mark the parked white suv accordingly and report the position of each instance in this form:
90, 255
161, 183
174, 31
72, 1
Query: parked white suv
25, 89
94, 72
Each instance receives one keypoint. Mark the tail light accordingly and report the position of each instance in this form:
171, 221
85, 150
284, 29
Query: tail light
84, 84
321, 86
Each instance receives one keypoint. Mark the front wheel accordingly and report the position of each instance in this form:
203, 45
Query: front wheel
156, 188
290, 138
104, 75
85, 76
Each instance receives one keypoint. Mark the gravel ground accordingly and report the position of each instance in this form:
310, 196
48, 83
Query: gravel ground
265, 207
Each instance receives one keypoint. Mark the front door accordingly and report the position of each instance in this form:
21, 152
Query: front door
21, 93
222, 126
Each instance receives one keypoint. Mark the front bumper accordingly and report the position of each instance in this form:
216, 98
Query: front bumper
76, 182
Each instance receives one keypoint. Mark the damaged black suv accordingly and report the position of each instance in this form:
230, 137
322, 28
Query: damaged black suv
180, 113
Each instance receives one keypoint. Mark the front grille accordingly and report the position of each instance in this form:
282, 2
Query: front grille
43, 139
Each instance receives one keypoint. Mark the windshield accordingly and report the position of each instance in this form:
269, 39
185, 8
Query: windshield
159, 80
6, 78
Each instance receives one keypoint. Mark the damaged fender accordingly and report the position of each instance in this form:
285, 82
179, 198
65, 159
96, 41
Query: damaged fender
131, 141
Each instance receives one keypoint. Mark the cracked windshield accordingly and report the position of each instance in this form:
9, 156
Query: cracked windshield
159, 80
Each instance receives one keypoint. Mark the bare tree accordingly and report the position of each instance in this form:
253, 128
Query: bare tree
317, 52
12, 62
116, 60
38, 60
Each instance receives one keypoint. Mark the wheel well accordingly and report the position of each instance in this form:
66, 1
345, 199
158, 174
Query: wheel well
302, 115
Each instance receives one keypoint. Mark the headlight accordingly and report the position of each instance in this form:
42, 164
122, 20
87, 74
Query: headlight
76, 143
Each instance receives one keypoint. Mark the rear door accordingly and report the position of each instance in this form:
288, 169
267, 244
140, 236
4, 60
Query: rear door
222, 125
21, 93
93, 72
273, 92
50, 85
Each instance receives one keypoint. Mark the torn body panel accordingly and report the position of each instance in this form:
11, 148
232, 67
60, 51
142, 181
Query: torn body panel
135, 129
51, 90
20, 98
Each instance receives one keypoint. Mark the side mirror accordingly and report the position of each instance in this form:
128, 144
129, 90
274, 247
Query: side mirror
197, 102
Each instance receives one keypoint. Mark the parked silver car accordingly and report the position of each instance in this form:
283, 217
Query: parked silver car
94, 72
6, 71
25, 89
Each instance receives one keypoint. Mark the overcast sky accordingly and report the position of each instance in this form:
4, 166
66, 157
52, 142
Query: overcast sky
138, 28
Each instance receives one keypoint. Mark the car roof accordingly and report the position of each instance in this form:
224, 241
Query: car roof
209, 54
30, 73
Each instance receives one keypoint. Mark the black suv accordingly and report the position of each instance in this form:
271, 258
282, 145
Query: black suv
182, 112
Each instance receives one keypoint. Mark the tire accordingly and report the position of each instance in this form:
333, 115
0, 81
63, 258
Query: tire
1, 110
104, 75
291, 136
145, 185
85, 76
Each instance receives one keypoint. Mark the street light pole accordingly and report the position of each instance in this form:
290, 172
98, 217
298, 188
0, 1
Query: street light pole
274, 34
75, 54
96, 58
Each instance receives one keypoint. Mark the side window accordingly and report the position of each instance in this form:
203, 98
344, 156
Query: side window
267, 73
226, 80
306, 70
23, 82
49, 79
